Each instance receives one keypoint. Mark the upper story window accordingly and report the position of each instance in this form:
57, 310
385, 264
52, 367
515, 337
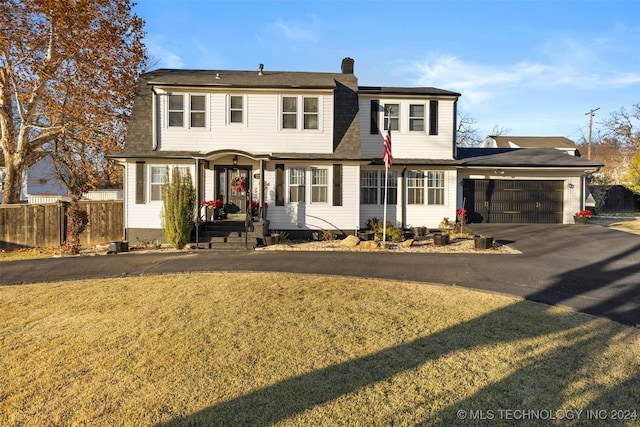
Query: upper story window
300, 112
392, 116
289, 112
310, 113
191, 113
198, 111
176, 110
416, 117
235, 109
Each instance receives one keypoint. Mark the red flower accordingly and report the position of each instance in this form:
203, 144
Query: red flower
255, 204
585, 213
461, 211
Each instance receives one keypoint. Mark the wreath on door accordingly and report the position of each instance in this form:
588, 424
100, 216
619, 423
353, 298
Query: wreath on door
237, 184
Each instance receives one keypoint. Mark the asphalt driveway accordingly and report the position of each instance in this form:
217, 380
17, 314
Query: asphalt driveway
590, 268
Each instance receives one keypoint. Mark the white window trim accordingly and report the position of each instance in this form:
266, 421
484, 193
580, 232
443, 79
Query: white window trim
289, 185
169, 168
424, 188
245, 103
300, 113
383, 114
186, 111
425, 120
328, 185
443, 188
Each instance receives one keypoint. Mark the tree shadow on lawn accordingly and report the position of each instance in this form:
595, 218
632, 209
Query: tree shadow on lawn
532, 386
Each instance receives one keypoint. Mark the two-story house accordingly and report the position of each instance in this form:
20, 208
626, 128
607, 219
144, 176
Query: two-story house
308, 144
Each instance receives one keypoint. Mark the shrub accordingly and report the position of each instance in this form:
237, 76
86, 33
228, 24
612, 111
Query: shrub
77, 220
178, 197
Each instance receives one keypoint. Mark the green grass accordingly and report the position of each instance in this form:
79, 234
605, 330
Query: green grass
267, 348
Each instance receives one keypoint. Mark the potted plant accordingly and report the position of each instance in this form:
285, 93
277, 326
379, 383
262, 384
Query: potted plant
581, 217
441, 239
483, 242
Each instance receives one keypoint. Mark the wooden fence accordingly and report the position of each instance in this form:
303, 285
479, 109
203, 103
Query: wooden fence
615, 198
44, 225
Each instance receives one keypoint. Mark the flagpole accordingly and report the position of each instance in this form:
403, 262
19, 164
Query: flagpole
384, 220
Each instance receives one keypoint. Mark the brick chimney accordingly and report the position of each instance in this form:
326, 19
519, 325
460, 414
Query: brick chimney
347, 66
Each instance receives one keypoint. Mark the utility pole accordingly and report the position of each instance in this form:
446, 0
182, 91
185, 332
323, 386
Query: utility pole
590, 113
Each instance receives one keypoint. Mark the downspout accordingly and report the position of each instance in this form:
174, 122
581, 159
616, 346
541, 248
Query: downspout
403, 206
154, 119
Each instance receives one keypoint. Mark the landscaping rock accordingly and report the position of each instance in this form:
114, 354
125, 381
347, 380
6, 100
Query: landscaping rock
350, 242
406, 244
369, 244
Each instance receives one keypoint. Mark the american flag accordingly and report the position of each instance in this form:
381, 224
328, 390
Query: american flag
386, 156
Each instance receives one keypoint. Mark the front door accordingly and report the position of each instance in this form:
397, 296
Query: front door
232, 187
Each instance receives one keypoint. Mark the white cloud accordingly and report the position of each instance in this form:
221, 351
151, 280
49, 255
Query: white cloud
296, 32
161, 52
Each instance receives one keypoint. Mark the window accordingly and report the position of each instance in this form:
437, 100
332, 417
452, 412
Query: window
415, 188
368, 187
159, 175
176, 110
372, 187
289, 112
198, 112
391, 116
433, 117
319, 185
416, 117
296, 185
235, 109
435, 188
392, 187
310, 113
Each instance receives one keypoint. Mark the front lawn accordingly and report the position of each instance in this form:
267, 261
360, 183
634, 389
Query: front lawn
263, 348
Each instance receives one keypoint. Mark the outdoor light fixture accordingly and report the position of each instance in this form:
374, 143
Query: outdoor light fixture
235, 160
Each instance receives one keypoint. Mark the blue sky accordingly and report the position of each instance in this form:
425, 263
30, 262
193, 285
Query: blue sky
532, 67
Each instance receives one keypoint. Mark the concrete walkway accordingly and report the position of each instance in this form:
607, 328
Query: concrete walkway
589, 268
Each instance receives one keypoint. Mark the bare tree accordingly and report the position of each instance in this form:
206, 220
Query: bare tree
67, 79
467, 133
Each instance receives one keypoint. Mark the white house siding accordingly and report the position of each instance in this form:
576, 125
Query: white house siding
315, 216
260, 132
149, 214
574, 192
406, 144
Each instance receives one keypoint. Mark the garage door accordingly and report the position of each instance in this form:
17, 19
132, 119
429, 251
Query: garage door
511, 201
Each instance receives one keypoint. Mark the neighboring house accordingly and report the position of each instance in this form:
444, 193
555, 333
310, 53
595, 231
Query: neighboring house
310, 144
39, 179
558, 142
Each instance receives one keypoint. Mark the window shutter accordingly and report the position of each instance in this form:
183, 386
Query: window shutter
337, 185
140, 183
375, 113
433, 117
279, 185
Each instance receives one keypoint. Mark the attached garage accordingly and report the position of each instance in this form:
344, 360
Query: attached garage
514, 201
522, 185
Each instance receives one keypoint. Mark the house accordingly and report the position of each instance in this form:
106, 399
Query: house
505, 141
309, 144
39, 180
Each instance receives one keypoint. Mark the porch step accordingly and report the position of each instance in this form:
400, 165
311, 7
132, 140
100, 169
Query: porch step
229, 236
